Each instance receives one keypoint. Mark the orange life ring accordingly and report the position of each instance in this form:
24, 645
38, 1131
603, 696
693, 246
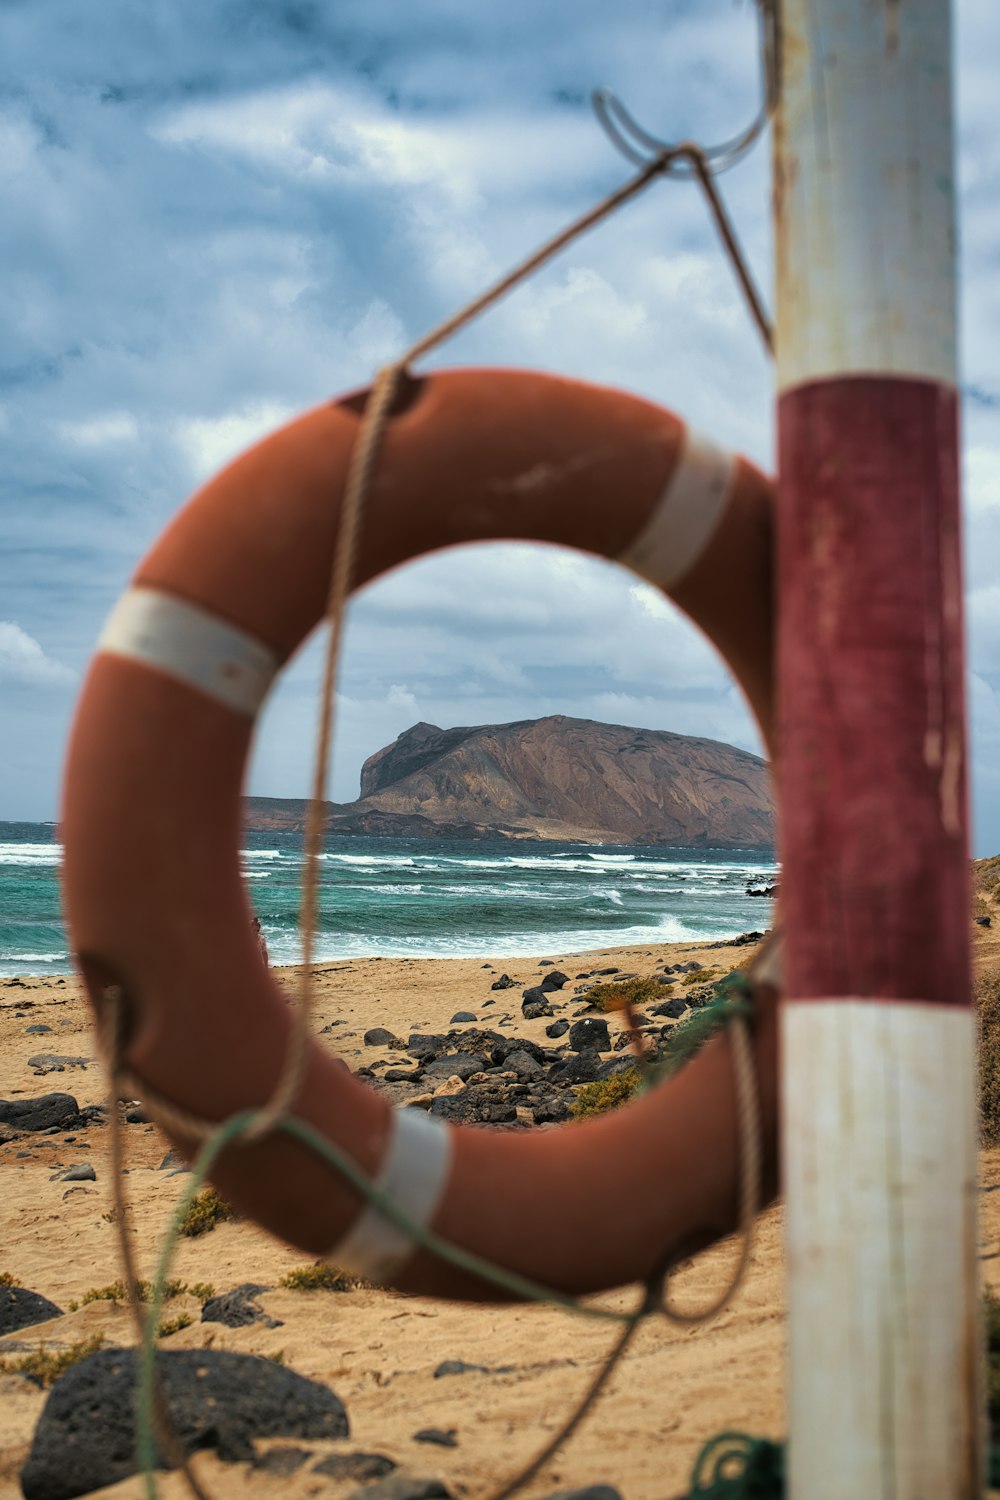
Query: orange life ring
152, 814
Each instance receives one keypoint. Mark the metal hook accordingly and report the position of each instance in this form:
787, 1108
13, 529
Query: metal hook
641, 148
688, 160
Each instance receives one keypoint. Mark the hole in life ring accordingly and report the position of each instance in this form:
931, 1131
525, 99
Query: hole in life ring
408, 392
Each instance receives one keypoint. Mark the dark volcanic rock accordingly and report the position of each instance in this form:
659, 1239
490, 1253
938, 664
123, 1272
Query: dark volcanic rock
505, 1045
20, 1308
444, 1437
401, 1487
430, 1041
478, 1106
503, 983
281, 1462
612, 1066
578, 1067
85, 1437
378, 1036
558, 1028
458, 1367
56, 1062
462, 1015
699, 995
455, 1064
672, 1009
555, 980
239, 1308
533, 1010
589, 1492
523, 1064
551, 1109
359, 1466
42, 1113
174, 1162
591, 1034
83, 1172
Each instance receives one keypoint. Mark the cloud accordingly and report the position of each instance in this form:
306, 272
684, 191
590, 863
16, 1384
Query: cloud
22, 660
982, 478
99, 431
210, 442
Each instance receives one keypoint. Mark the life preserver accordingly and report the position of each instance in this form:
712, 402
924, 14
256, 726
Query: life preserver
152, 815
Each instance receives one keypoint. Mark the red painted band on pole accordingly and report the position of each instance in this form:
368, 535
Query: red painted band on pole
872, 775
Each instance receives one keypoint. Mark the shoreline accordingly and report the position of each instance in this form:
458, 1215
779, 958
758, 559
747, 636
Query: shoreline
558, 953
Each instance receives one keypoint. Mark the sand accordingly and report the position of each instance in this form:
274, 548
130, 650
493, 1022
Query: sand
378, 1350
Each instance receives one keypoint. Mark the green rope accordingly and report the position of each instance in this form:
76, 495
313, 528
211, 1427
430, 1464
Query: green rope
734, 1466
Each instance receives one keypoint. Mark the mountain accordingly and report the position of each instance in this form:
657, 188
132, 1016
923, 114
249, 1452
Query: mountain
572, 780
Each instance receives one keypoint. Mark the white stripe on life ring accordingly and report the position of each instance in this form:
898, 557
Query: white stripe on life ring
413, 1175
681, 526
189, 643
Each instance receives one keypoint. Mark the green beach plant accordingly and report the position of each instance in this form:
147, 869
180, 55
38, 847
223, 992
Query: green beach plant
173, 1325
320, 1277
614, 996
116, 1291
607, 1093
207, 1210
44, 1366
986, 993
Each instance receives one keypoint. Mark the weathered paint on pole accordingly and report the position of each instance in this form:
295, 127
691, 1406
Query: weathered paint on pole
878, 1031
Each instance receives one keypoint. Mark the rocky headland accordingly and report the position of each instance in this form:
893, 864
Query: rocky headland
556, 778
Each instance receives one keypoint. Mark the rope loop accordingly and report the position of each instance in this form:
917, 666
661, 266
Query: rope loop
735, 1466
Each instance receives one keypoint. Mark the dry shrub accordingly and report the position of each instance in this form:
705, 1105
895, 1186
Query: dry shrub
207, 1210
173, 1325
323, 1278
607, 1093
615, 996
987, 997
43, 1366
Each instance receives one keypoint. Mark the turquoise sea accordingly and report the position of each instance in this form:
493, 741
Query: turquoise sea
416, 898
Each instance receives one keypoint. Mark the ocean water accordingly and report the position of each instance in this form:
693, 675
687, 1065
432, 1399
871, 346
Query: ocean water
415, 898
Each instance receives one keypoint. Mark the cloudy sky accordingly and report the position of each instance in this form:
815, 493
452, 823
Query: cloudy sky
216, 214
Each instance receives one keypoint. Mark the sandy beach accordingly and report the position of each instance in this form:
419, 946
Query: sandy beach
376, 1349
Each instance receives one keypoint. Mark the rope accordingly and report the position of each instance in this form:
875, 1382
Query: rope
759, 1473
274, 1115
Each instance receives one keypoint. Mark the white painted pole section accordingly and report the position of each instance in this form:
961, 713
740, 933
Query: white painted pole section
878, 1087
864, 191
880, 1162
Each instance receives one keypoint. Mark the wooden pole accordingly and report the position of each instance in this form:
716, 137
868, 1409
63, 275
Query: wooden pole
878, 1034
